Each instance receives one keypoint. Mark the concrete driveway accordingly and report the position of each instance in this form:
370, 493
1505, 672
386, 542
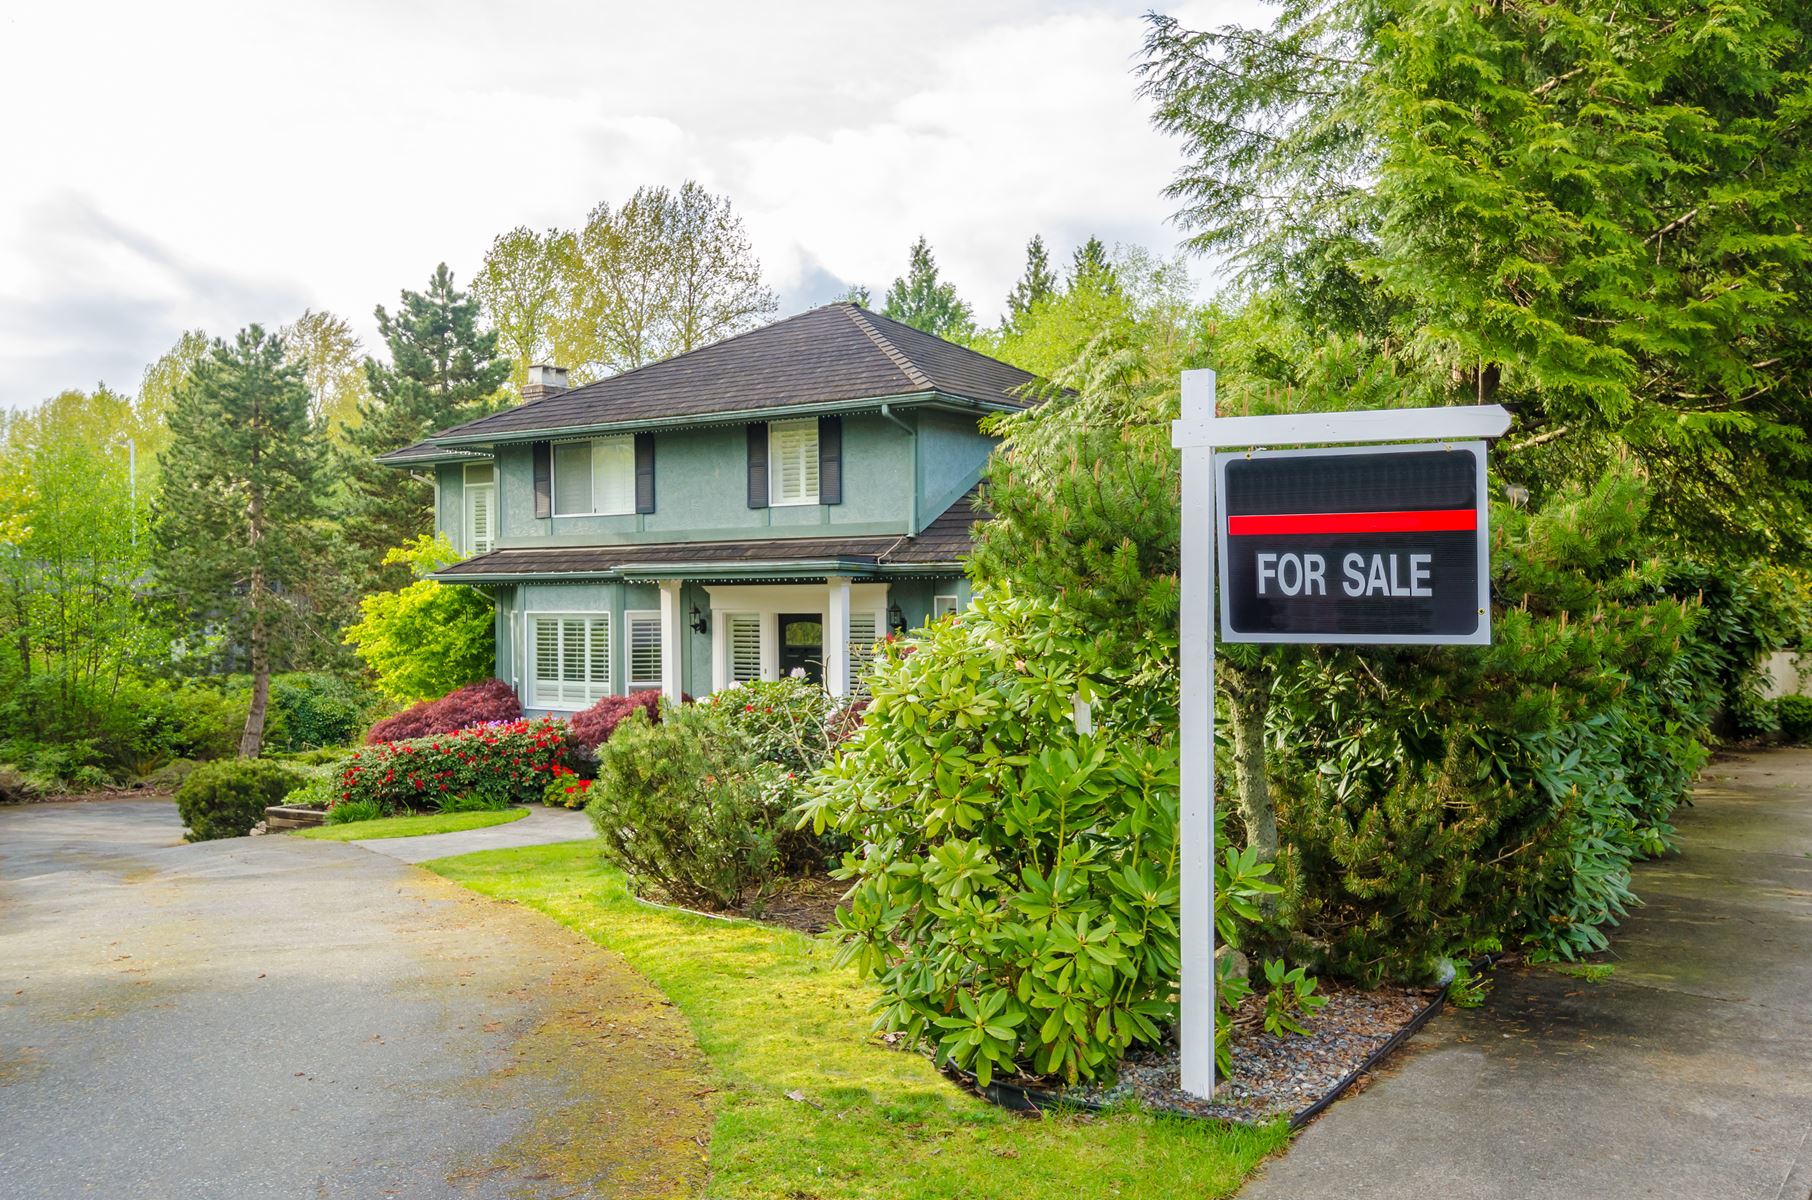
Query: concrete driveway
284, 1017
1687, 1074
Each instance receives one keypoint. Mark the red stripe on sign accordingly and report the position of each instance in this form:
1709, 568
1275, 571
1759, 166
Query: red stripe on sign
1437, 520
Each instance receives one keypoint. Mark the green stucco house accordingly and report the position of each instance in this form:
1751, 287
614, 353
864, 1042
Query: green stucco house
777, 501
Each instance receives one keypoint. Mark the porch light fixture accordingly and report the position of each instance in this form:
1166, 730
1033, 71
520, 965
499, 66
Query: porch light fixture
896, 620
699, 623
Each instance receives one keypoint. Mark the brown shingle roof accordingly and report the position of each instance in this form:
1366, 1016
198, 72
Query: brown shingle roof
948, 538
823, 356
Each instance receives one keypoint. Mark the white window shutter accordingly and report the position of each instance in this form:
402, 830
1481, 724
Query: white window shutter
743, 631
481, 501
571, 660
644, 650
863, 634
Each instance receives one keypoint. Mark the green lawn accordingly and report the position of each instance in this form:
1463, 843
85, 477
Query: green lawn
774, 1016
389, 827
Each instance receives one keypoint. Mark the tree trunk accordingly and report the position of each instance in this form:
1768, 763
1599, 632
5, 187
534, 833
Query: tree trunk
252, 740
1249, 698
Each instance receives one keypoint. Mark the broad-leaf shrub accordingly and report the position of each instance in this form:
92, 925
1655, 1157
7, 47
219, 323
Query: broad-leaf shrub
503, 763
686, 806
1016, 881
492, 700
226, 798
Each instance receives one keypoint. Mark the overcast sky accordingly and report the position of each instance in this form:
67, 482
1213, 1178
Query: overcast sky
180, 165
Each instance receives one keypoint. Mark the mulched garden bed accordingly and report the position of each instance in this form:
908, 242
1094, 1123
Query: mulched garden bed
1272, 1076
807, 905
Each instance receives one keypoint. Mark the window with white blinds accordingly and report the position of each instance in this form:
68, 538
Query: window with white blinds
481, 508
570, 659
644, 649
793, 462
942, 606
594, 478
864, 632
743, 633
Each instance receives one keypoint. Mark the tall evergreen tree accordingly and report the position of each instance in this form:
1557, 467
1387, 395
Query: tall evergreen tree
237, 535
443, 370
1034, 285
1091, 268
1591, 213
921, 300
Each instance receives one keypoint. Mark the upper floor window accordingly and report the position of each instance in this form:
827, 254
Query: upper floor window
793, 462
481, 507
594, 478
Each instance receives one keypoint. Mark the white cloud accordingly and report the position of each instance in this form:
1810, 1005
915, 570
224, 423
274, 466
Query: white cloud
215, 164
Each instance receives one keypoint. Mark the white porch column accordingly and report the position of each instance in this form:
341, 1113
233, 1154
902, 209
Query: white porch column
673, 636
836, 637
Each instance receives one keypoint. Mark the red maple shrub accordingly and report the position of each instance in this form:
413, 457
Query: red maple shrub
588, 730
492, 700
510, 762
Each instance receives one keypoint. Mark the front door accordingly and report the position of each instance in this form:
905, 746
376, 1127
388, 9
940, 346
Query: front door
802, 645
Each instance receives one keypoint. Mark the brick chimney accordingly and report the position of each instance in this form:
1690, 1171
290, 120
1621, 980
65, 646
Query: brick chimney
543, 381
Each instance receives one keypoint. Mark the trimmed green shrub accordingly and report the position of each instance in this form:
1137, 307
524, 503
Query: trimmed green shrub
1795, 714
509, 762
688, 807
226, 798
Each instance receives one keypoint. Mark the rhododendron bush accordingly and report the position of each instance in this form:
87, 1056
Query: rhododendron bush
510, 761
492, 700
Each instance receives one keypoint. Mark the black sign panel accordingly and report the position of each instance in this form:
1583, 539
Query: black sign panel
1382, 546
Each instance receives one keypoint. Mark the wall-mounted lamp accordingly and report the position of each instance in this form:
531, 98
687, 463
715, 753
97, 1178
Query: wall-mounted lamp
896, 620
700, 624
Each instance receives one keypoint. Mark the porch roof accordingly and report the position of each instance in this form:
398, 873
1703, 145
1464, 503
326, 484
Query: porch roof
942, 545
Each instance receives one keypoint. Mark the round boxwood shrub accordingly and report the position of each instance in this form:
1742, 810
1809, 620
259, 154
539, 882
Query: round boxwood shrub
226, 798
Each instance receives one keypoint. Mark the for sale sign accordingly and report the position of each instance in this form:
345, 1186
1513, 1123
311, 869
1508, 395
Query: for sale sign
1380, 546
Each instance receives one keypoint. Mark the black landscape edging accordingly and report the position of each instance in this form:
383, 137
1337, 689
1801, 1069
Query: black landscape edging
1016, 1098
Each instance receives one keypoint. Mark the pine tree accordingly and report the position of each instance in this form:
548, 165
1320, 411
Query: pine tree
236, 531
443, 370
1034, 285
921, 300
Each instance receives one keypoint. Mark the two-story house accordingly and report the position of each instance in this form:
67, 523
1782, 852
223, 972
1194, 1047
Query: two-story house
777, 501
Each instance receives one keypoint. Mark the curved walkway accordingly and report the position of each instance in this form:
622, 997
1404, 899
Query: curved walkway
1687, 1073
541, 826
284, 1017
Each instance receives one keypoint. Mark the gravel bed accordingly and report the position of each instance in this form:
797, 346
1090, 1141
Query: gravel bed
1272, 1076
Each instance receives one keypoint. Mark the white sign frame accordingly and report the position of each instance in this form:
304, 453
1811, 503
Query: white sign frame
1479, 637
1198, 433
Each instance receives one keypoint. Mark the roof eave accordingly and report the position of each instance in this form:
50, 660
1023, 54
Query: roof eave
934, 399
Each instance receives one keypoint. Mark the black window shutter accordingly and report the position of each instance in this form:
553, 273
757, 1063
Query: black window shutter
758, 465
543, 454
830, 460
644, 472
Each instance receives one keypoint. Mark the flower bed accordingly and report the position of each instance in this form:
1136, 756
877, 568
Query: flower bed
508, 761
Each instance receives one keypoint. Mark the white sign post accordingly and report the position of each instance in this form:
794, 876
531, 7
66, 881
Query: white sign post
1197, 434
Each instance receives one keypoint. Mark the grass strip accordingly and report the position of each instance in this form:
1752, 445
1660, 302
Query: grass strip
777, 1020
416, 826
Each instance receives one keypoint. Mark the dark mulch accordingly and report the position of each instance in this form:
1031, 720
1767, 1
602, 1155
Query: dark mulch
1272, 1076
807, 905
